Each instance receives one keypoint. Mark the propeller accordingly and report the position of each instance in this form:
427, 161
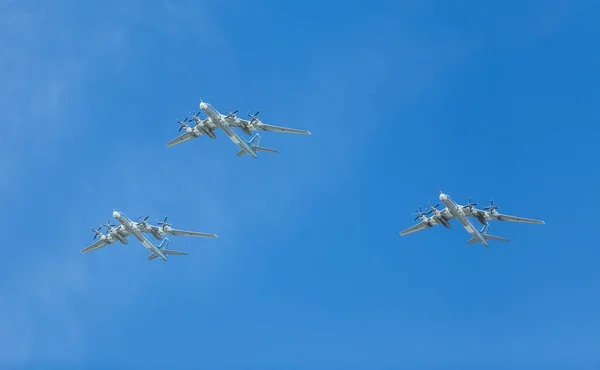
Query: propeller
253, 116
419, 213
232, 114
143, 220
194, 116
164, 223
183, 124
97, 232
491, 207
469, 204
109, 226
433, 208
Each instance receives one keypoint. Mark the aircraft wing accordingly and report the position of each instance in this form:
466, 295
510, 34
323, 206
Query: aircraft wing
413, 229
177, 232
468, 212
265, 127
182, 139
96, 245
502, 217
446, 214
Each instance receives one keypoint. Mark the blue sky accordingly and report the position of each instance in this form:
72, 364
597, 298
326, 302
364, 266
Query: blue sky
403, 99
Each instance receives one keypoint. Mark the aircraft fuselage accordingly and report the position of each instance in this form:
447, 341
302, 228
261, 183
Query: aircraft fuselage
218, 120
457, 212
135, 231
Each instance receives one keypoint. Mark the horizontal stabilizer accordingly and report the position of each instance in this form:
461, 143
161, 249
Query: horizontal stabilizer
487, 237
258, 149
166, 252
261, 149
497, 238
175, 253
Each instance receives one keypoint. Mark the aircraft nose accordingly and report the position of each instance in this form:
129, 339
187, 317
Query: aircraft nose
443, 197
116, 214
203, 105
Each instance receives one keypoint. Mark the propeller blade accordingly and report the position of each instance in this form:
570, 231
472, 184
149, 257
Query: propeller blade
163, 223
491, 207
97, 232
469, 204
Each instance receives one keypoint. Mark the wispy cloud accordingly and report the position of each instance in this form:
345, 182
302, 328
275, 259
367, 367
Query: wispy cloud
50, 56
44, 66
48, 59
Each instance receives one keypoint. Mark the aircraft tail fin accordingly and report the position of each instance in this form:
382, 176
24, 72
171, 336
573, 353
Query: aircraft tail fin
164, 243
484, 233
255, 140
163, 248
254, 144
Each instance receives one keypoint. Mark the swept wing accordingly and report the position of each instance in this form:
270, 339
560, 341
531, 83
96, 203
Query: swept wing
502, 217
178, 232
418, 227
186, 136
97, 245
258, 125
431, 222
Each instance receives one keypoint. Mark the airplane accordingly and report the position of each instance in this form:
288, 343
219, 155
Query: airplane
217, 120
139, 229
462, 213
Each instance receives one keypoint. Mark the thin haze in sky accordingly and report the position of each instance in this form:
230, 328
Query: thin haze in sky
404, 99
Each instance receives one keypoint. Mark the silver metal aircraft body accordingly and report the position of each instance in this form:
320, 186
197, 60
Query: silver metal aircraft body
216, 120
462, 213
138, 230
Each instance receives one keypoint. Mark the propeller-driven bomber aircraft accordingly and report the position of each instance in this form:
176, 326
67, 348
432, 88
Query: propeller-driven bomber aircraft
139, 229
216, 120
460, 212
